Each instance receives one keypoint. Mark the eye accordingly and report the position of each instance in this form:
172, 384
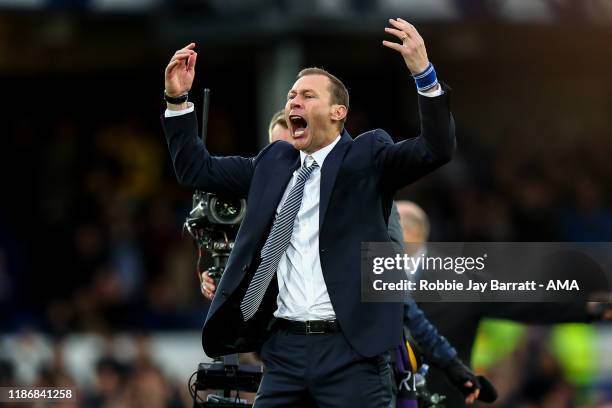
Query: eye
290, 96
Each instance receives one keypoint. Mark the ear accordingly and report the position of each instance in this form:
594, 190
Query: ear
338, 112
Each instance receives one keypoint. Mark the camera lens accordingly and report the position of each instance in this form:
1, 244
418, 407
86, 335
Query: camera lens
227, 211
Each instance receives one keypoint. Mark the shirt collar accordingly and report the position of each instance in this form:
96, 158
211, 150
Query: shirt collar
320, 155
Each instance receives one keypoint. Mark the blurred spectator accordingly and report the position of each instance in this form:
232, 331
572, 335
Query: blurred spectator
109, 386
29, 351
147, 387
589, 220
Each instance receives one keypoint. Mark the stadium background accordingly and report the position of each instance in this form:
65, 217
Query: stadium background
97, 285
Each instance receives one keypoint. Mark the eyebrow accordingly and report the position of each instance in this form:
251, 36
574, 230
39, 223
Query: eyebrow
302, 91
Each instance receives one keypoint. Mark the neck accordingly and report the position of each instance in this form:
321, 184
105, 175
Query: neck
329, 138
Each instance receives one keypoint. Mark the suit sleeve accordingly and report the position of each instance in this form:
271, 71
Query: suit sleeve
196, 168
538, 313
395, 228
435, 346
402, 163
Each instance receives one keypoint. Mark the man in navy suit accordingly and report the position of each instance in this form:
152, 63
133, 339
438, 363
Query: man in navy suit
291, 288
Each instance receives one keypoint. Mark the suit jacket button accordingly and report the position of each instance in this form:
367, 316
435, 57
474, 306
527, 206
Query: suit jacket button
245, 268
322, 250
225, 294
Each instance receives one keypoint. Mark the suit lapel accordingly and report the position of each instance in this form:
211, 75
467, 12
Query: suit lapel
286, 162
329, 172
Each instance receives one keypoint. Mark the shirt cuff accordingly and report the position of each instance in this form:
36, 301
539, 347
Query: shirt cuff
435, 93
170, 113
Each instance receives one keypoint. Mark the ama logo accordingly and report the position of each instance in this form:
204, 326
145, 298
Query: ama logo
562, 285
570, 270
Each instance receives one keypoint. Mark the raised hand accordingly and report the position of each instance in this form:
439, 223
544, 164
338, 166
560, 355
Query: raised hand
180, 71
412, 47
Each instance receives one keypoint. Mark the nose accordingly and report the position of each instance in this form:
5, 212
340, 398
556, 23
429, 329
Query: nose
295, 103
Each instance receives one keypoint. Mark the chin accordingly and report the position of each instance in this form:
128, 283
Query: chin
300, 144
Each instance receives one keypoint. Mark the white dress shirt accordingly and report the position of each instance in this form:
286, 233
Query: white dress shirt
302, 293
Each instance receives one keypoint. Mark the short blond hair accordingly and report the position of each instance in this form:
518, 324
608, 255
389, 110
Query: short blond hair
277, 119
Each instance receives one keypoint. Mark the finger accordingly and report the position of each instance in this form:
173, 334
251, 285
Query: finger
189, 46
180, 60
400, 26
191, 61
184, 51
398, 33
208, 280
208, 294
412, 31
180, 56
393, 45
171, 66
470, 398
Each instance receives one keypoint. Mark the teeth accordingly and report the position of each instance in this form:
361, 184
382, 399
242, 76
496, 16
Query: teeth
299, 132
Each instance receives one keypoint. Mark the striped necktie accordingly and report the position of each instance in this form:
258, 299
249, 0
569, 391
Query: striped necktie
277, 243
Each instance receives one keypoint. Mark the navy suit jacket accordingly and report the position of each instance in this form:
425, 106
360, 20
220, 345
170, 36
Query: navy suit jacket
358, 180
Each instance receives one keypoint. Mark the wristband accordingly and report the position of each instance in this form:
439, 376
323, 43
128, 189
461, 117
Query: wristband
426, 79
176, 100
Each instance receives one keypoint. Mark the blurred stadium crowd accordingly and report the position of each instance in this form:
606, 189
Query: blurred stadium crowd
113, 371
91, 215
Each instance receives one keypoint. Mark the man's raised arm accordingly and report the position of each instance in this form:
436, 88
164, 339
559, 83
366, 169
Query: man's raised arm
401, 163
193, 165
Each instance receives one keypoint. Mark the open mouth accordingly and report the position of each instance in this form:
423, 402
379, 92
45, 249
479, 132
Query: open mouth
298, 125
